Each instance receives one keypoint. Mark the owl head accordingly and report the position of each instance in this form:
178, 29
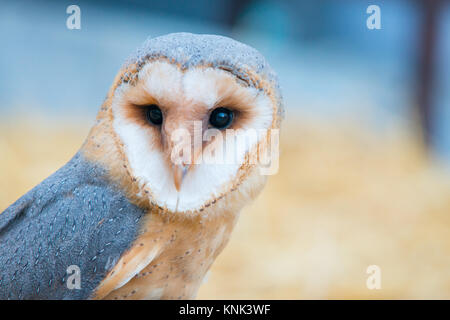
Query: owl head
189, 121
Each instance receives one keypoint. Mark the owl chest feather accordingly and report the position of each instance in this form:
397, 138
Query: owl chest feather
169, 259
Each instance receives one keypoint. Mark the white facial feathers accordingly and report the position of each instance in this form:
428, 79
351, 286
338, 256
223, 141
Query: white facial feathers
184, 96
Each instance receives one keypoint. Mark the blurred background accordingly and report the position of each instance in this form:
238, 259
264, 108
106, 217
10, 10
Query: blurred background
365, 149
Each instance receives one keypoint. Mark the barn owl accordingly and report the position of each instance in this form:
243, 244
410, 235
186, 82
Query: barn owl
132, 220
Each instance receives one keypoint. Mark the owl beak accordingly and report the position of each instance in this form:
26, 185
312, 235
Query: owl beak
179, 172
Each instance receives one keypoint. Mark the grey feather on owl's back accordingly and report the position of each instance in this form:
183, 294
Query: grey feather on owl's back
74, 217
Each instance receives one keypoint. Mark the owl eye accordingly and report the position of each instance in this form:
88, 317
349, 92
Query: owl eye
221, 118
154, 114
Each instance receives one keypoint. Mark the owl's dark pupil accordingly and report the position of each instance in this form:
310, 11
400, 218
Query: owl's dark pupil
154, 114
221, 118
